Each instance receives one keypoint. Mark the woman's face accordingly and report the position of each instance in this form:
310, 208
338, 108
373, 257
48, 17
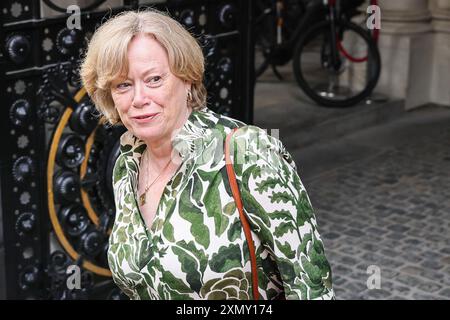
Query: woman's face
151, 101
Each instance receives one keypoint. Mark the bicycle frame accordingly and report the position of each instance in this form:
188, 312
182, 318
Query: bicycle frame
332, 16
313, 9
282, 48
340, 47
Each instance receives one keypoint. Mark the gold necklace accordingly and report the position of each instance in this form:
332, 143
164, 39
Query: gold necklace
144, 194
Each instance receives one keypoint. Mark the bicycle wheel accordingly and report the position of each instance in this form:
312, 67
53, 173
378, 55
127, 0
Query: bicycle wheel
344, 84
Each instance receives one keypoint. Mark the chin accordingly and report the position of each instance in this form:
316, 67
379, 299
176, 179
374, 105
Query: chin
149, 134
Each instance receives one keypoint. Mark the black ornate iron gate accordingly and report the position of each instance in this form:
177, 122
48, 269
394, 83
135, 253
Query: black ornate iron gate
57, 206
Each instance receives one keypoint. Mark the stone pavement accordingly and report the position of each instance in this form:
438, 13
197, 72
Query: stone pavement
379, 181
381, 197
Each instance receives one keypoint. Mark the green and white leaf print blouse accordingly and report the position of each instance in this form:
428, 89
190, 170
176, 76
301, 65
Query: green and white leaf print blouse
196, 248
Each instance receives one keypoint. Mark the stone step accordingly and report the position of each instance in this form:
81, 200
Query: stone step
301, 122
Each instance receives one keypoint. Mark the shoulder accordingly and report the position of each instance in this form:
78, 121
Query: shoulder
127, 162
119, 170
217, 123
257, 138
252, 140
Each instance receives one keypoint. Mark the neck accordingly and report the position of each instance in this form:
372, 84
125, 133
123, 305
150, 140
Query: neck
160, 152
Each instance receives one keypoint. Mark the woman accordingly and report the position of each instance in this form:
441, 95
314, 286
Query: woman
177, 233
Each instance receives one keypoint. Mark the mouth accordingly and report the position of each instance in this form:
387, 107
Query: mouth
146, 117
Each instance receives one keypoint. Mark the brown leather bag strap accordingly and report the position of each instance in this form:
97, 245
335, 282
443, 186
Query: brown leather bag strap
245, 224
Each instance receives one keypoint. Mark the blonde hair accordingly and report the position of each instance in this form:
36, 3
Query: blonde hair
106, 56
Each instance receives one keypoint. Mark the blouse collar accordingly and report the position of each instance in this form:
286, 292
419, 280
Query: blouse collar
188, 141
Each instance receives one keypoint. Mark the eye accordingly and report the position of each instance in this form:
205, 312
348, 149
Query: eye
122, 85
154, 79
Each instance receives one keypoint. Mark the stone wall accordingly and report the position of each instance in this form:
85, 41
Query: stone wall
415, 50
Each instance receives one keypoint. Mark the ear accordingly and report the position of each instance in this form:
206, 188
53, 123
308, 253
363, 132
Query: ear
187, 85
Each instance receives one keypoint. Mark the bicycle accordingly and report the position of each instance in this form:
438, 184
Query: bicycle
335, 62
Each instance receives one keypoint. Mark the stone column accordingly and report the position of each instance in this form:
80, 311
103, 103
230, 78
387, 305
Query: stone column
405, 42
440, 82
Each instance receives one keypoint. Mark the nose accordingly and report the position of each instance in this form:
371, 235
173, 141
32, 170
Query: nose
141, 97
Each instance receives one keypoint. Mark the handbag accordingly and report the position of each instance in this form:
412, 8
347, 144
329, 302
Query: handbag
244, 220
